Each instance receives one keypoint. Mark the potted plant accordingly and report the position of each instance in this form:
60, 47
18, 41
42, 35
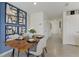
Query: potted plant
32, 32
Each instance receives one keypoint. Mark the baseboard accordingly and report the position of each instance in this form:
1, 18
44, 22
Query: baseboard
2, 55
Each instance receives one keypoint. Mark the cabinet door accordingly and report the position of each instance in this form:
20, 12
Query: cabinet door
11, 14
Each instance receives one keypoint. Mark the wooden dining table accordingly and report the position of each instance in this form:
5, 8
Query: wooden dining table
20, 45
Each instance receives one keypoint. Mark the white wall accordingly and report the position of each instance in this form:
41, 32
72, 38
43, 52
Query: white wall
40, 22
47, 24
72, 6
36, 22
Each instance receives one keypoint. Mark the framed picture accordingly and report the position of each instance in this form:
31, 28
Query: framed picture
59, 24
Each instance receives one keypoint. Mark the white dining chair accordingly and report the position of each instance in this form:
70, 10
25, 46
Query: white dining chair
45, 43
27, 34
40, 49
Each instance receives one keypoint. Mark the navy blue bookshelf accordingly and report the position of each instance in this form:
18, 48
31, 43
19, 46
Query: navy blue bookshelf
12, 21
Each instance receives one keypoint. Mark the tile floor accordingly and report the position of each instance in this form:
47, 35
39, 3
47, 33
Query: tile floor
56, 49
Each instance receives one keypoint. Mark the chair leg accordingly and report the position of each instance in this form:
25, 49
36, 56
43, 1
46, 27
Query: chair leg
45, 49
28, 53
25, 52
37, 56
42, 53
12, 55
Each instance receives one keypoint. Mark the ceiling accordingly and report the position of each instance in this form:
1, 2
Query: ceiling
51, 9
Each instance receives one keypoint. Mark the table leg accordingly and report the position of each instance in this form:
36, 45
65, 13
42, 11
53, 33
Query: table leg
12, 55
18, 53
28, 53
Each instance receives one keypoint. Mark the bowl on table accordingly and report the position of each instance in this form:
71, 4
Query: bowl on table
31, 40
39, 36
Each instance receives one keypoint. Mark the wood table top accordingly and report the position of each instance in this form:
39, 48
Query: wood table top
21, 45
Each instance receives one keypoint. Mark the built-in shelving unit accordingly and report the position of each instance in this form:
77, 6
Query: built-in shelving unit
12, 21
15, 21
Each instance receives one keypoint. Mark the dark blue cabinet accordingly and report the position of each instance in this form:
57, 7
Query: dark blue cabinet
12, 21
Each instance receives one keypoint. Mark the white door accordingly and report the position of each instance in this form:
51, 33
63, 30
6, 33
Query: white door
70, 29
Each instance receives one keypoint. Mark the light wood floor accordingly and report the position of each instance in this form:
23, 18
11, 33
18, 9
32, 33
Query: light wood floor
56, 48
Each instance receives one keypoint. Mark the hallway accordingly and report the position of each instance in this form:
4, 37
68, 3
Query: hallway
57, 49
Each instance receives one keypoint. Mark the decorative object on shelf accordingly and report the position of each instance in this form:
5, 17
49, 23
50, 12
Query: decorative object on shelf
11, 30
12, 37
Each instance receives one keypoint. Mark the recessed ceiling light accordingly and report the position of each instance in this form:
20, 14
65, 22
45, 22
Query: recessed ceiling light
34, 3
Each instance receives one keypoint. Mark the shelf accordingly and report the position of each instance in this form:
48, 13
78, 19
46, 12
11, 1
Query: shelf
15, 21
11, 30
